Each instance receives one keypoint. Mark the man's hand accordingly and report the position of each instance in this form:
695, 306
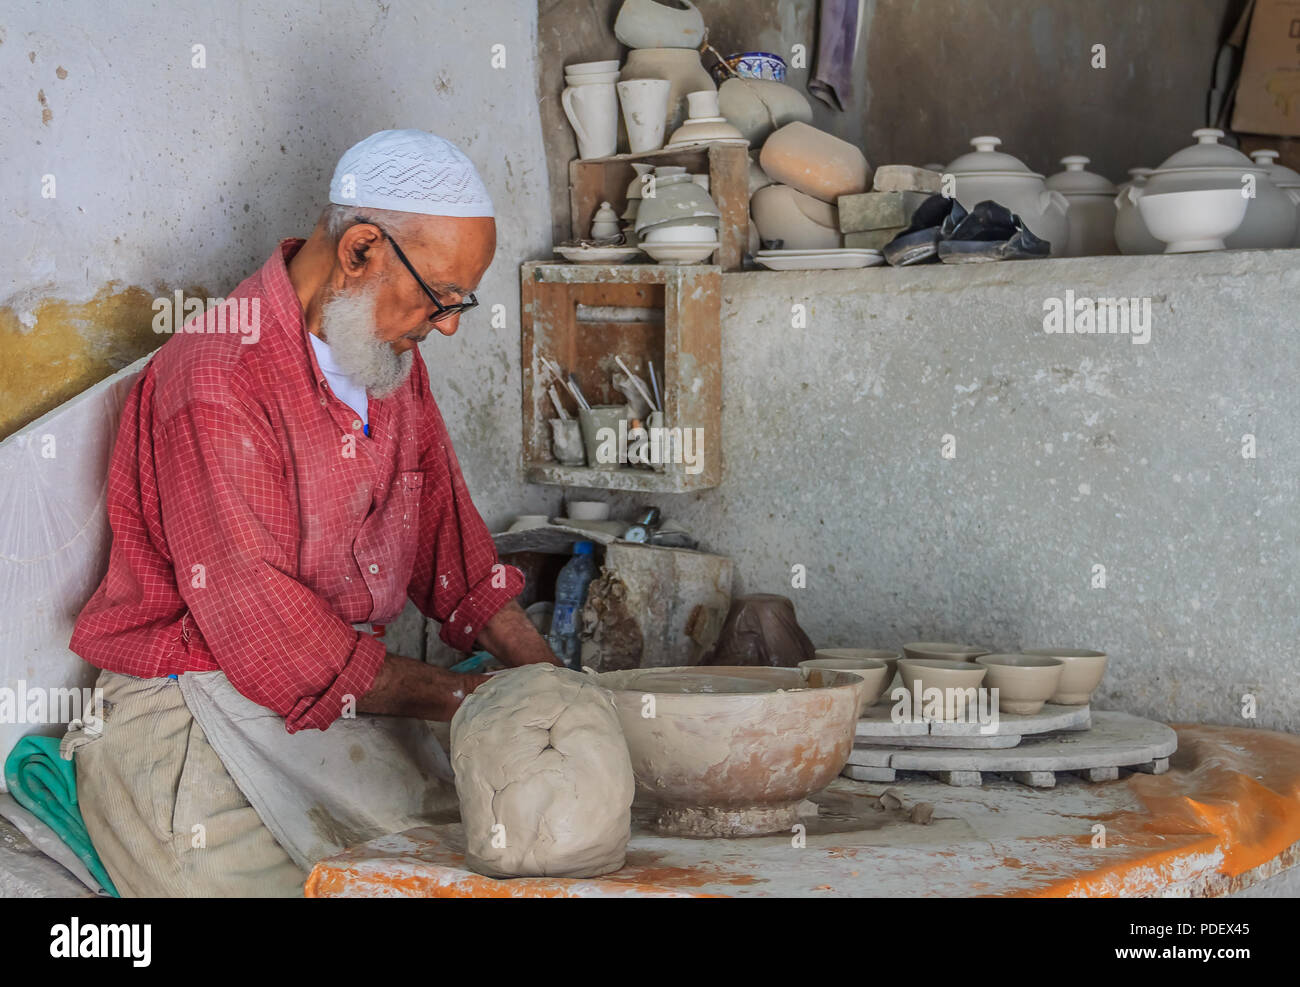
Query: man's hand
407, 687
511, 638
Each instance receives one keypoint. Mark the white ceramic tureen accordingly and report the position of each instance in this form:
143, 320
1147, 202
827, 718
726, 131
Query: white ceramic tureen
1092, 208
1207, 165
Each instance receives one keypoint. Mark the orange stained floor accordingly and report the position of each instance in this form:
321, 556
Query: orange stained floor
1228, 811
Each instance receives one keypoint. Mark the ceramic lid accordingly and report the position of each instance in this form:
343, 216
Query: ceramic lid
985, 158
1207, 152
1075, 181
1281, 175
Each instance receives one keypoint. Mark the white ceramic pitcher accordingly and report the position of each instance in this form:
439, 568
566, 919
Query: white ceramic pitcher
593, 114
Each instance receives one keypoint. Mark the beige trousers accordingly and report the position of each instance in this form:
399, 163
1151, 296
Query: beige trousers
165, 816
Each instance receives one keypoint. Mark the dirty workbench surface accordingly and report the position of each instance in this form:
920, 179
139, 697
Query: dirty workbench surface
1226, 815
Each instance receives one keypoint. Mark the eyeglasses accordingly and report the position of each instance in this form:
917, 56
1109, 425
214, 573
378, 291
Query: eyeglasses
442, 312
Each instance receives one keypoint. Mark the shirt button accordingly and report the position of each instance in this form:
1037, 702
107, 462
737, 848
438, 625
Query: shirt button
373, 568
322, 402
357, 423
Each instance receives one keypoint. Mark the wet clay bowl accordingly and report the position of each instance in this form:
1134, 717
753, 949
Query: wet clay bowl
1080, 676
876, 675
957, 681
890, 658
945, 650
1024, 682
732, 750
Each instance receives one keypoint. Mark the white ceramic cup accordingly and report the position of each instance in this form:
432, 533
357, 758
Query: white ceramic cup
645, 110
593, 114
703, 103
588, 510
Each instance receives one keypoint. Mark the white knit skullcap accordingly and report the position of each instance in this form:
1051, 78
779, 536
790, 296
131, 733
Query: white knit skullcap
409, 171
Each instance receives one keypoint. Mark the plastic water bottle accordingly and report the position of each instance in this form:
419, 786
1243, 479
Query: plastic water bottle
570, 595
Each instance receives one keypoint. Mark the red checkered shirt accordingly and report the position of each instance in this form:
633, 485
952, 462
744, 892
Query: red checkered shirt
254, 522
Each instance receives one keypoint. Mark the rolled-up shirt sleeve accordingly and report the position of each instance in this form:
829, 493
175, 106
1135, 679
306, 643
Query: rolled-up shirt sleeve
233, 531
458, 579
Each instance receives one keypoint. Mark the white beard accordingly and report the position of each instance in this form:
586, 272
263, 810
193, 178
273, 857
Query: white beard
348, 325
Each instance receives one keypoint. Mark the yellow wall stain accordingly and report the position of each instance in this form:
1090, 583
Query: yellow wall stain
72, 346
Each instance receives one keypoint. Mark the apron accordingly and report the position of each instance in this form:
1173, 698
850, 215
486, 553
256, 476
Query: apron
321, 791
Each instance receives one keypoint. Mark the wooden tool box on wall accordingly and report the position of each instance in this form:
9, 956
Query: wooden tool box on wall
582, 316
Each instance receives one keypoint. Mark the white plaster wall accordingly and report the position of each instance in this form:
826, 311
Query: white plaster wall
1071, 451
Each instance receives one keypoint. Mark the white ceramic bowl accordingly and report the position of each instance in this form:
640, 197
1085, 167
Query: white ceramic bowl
599, 79
689, 233
679, 202
681, 253
592, 68
1191, 221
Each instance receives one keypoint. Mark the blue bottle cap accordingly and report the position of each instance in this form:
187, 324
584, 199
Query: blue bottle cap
584, 548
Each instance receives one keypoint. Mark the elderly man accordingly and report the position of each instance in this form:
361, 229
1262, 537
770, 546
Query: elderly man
269, 501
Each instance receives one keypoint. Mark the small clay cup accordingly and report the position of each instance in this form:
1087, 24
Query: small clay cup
875, 675
1080, 677
566, 441
592, 421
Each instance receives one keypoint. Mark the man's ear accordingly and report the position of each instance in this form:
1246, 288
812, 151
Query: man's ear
356, 249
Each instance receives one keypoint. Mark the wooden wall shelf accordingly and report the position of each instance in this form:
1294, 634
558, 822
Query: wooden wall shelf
641, 312
598, 180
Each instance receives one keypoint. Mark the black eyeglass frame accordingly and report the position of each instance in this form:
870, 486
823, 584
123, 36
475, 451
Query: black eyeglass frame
443, 312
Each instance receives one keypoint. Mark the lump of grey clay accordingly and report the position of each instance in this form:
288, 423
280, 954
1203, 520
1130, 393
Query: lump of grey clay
543, 774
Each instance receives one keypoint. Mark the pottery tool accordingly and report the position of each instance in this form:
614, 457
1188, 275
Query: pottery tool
637, 383
576, 388
654, 385
555, 400
635, 399
554, 368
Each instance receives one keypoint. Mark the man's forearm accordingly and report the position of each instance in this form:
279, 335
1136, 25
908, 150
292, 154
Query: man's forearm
512, 639
407, 687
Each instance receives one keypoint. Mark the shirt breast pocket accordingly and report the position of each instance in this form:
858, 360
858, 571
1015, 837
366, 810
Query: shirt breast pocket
410, 486
401, 540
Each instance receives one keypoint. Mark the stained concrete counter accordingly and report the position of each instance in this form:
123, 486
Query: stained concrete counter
1069, 452
1224, 820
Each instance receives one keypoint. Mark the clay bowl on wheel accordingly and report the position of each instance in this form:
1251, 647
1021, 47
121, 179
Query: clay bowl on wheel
1024, 682
875, 675
890, 658
1080, 676
732, 750
957, 681
944, 650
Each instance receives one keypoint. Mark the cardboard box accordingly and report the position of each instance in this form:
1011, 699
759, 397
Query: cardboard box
1268, 90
